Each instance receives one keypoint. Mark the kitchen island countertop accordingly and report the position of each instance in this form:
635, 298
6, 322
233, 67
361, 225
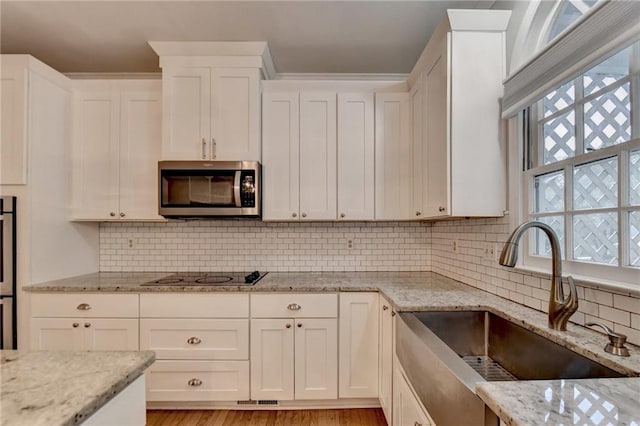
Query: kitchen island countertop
427, 291
63, 387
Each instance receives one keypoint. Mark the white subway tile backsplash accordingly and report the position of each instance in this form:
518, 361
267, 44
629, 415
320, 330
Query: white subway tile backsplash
241, 245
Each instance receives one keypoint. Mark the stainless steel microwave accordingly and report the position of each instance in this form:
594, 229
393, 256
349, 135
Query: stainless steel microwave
192, 189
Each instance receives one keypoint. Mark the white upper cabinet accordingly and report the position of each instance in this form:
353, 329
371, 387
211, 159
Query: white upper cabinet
13, 95
355, 156
299, 156
211, 99
211, 113
116, 144
318, 162
280, 155
460, 75
393, 151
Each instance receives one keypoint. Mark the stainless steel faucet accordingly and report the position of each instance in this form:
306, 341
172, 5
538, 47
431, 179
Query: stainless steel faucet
560, 308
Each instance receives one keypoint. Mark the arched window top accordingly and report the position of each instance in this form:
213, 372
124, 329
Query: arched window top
566, 13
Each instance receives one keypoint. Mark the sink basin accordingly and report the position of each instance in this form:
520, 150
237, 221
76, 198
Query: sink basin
500, 350
445, 354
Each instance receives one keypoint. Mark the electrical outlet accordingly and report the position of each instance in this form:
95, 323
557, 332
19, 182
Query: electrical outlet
455, 246
489, 251
350, 244
130, 242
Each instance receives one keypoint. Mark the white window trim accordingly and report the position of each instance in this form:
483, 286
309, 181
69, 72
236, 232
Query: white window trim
536, 24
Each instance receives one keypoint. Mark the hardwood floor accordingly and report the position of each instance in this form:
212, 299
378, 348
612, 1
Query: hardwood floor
353, 417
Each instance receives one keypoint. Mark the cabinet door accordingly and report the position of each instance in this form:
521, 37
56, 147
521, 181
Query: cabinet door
272, 359
316, 358
95, 150
355, 156
419, 149
386, 358
407, 410
280, 156
57, 334
437, 132
394, 178
318, 156
358, 345
186, 114
140, 144
110, 334
13, 145
235, 114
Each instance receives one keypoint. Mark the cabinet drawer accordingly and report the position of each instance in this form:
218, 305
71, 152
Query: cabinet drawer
198, 381
194, 305
196, 338
290, 305
84, 305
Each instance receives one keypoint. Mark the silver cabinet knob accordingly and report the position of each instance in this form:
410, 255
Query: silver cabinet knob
112, 214
294, 214
288, 325
393, 313
304, 215
83, 307
76, 325
293, 307
342, 215
87, 324
299, 325
418, 213
417, 424
385, 307
194, 382
122, 214
194, 341
441, 209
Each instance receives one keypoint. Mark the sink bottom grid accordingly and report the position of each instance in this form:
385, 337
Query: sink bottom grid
490, 370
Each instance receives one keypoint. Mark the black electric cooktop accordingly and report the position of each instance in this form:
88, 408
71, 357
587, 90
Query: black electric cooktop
209, 278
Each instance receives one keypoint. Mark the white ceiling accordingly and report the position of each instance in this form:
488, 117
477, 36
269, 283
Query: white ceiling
303, 36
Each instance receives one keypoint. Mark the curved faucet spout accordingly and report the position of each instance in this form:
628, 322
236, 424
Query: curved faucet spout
560, 309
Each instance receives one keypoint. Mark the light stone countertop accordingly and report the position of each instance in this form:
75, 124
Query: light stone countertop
52, 388
416, 291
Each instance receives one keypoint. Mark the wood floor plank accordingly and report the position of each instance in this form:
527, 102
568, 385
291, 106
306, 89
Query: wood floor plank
342, 417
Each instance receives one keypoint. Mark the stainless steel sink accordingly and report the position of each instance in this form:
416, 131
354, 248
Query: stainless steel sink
445, 354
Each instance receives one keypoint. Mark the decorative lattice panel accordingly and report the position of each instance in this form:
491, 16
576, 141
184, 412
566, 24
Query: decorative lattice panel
634, 178
559, 138
595, 185
559, 99
595, 238
634, 238
607, 72
607, 119
590, 407
541, 245
549, 192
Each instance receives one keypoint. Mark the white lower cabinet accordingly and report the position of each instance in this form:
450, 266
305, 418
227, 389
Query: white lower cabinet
84, 322
407, 409
294, 357
188, 380
358, 346
385, 353
127, 408
201, 343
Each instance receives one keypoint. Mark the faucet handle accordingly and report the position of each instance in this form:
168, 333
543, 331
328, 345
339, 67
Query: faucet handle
616, 340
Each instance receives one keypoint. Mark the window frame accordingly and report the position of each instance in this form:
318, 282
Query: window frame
533, 166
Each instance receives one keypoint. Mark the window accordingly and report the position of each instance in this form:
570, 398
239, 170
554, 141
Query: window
568, 12
583, 176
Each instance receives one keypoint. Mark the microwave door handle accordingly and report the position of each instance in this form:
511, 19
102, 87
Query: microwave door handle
236, 188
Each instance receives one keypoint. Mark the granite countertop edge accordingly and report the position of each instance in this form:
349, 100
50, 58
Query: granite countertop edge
27, 387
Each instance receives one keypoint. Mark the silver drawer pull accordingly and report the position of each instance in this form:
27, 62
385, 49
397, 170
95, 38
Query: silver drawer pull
194, 382
76, 325
294, 307
385, 307
87, 324
194, 341
83, 307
